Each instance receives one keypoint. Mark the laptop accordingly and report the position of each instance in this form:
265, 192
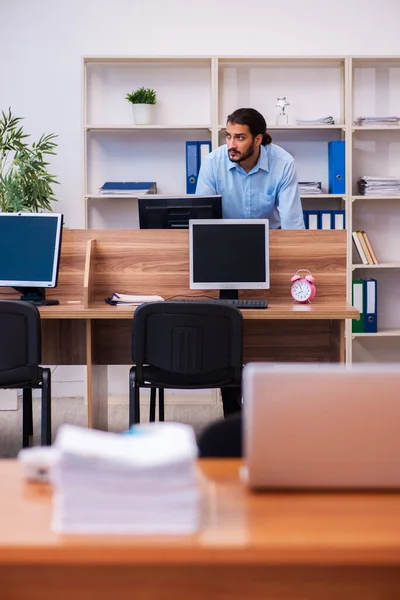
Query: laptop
321, 426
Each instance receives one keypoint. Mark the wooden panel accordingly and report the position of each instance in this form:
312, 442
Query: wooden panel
64, 341
289, 341
89, 273
278, 309
72, 268
145, 261
197, 583
97, 385
119, 352
276, 340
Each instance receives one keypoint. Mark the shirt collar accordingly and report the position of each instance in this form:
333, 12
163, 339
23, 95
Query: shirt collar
262, 162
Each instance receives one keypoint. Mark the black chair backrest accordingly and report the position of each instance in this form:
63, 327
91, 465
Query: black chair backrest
196, 341
21, 334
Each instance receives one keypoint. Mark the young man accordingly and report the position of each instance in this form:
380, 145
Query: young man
257, 179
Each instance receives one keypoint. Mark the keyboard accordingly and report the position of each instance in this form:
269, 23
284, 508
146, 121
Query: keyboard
241, 303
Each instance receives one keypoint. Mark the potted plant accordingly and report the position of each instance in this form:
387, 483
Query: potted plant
25, 183
143, 99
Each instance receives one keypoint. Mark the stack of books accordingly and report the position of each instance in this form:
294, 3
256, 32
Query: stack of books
364, 248
128, 188
379, 186
141, 482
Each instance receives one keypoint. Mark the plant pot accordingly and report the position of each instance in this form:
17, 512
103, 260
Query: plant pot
142, 113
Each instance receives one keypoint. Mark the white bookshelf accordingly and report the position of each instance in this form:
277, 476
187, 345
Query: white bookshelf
388, 265
194, 97
375, 150
116, 149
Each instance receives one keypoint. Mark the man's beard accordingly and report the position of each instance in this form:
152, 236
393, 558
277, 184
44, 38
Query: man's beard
239, 157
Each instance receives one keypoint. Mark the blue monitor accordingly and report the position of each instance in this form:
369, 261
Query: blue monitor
174, 212
30, 245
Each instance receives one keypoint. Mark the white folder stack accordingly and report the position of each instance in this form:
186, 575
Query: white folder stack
144, 482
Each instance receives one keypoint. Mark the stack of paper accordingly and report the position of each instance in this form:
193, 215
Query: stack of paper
128, 188
144, 482
377, 121
321, 121
132, 299
310, 187
379, 186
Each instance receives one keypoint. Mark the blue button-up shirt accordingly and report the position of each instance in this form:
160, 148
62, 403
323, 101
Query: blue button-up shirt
269, 191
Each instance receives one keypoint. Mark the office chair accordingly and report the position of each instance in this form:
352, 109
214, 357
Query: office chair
183, 345
222, 438
20, 355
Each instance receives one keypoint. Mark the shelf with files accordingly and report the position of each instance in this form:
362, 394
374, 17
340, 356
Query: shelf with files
375, 152
151, 155
118, 149
314, 87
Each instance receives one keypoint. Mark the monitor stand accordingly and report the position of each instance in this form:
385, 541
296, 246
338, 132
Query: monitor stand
228, 294
35, 295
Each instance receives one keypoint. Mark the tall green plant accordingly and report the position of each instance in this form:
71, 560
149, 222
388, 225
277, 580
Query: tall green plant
25, 183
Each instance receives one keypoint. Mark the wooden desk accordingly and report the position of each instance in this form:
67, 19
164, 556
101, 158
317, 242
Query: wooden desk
251, 546
95, 263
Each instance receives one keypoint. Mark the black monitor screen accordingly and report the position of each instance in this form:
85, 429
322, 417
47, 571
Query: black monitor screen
229, 254
174, 212
29, 249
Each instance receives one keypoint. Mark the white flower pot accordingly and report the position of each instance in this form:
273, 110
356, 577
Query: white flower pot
142, 113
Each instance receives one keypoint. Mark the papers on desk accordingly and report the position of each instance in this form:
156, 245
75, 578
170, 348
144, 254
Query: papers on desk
145, 482
131, 299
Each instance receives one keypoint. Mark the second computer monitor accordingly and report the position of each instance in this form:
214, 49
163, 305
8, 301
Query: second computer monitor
174, 212
229, 255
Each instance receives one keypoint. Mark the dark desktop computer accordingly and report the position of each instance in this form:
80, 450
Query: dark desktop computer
229, 255
30, 245
174, 212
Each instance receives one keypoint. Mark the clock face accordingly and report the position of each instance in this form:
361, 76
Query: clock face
301, 290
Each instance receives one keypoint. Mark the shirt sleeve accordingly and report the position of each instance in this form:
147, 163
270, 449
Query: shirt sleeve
206, 183
289, 202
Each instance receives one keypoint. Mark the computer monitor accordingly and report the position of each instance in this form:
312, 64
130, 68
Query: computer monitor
174, 212
229, 255
30, 245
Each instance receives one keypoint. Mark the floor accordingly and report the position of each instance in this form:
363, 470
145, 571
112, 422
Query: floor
74, 411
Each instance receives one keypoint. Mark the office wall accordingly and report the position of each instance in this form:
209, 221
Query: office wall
42, 42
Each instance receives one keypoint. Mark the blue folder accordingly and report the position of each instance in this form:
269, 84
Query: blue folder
336, 167
192, 166
325, 219
338, 219
370, 306
314, 219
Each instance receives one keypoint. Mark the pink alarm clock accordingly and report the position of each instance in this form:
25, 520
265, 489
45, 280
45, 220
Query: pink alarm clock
303, 286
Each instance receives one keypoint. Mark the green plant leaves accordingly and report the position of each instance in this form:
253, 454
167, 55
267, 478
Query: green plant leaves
142, 96
25, 183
